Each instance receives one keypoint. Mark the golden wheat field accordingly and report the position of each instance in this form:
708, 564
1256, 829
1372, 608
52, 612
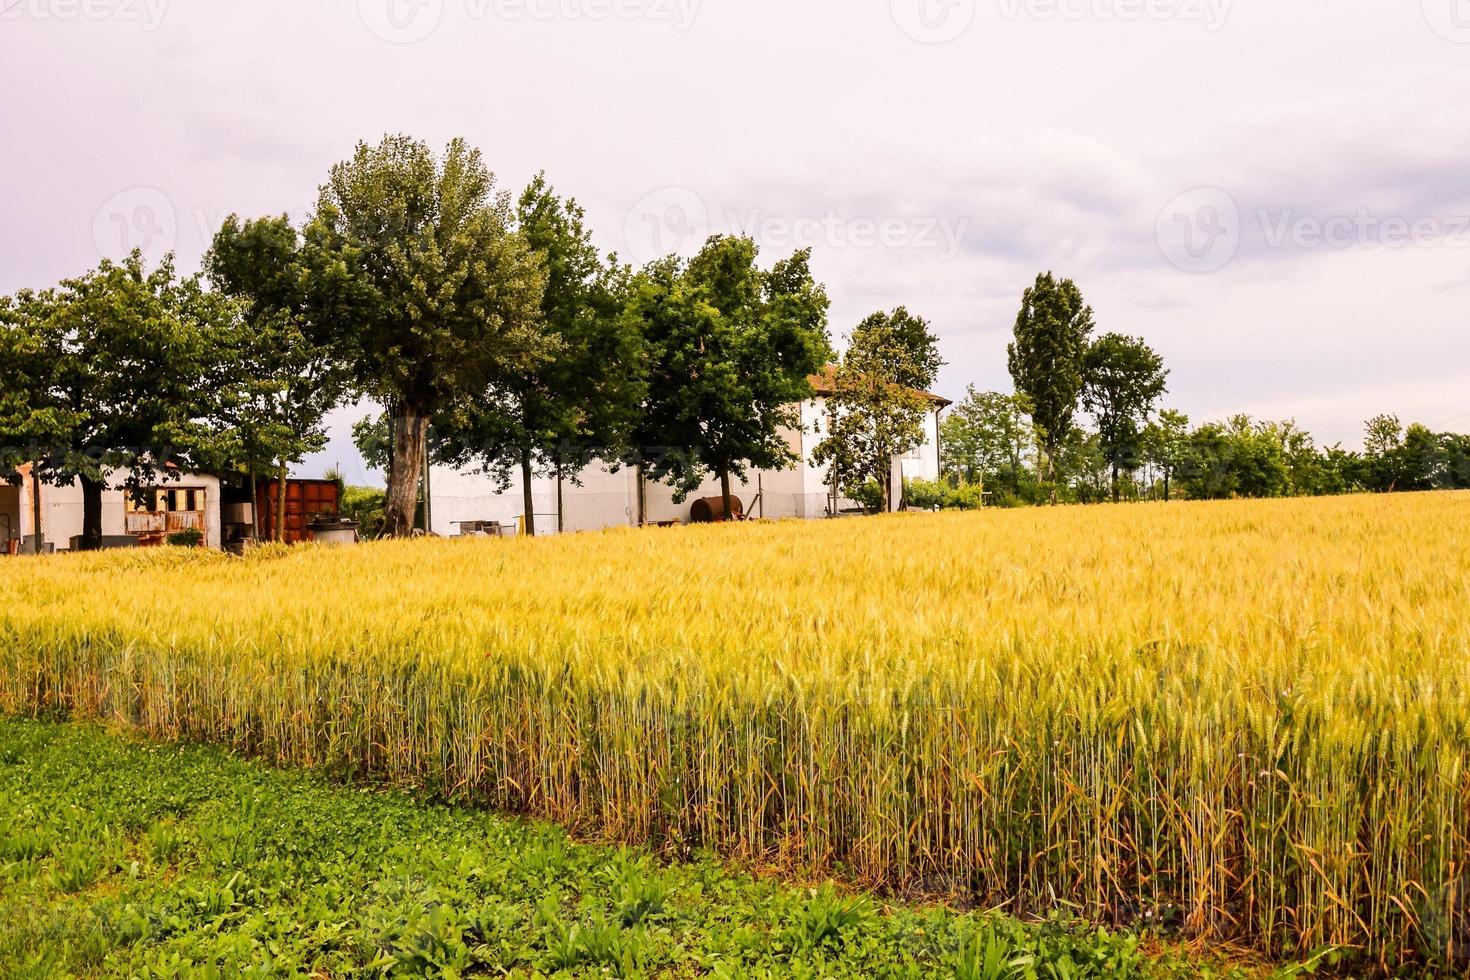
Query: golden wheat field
1249, 720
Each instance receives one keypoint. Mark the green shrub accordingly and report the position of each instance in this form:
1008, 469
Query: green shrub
188, 538
939, 495
367, 506
926, 494
869, 496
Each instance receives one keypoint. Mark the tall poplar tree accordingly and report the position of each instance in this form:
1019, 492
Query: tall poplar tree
1046, 358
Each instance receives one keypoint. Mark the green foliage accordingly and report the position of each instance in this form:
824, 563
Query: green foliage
731, 349
879, 406
987, 439
1164, 441
284, 370
579, 401
1122, 381
119, 858
115, 370
366, 506
1416, 458
868, 496
941, 495
423, 284
190, 537
1046, 359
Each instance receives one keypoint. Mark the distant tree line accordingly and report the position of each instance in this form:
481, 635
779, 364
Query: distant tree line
489, 328
1028, 447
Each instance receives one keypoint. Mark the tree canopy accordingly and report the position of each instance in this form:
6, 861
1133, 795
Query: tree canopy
879, 403
731, 349
1122, 380
1046, 359
423, 283
580, 400
114, 372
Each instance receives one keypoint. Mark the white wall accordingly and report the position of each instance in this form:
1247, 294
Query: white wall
61, 508
610, 499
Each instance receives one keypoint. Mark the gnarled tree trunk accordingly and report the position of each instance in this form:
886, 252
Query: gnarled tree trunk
410, 427
91, 513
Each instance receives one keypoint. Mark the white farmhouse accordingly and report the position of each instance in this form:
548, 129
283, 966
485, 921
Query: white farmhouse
601, 498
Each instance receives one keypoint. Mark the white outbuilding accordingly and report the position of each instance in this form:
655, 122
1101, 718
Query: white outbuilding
172, 502
466, 502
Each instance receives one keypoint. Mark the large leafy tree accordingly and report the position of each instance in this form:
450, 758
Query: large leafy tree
986, 438
1046, 358
425, 286
879, 401
284, 373
117, 367
582, 399
1122, 380
731, 350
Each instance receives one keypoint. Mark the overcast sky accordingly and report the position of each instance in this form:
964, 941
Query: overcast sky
1275, 193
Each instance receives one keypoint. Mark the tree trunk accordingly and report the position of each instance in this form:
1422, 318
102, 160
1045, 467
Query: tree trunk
281, 471
1167, 474
528, 500
91, 514
561, 520
409, 427
37, 533
254, 503
642, 497
1051, 474
1116, 496
725, 495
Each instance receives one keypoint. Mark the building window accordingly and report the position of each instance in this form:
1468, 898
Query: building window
164, 510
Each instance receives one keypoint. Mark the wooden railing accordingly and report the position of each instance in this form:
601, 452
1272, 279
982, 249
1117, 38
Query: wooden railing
160, 522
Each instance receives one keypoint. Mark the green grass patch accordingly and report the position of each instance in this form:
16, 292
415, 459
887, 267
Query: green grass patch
123, 858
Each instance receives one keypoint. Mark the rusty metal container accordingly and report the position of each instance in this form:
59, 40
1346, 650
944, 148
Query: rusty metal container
711, 510
306, 501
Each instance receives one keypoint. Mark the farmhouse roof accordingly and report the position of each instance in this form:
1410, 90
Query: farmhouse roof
824, 383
